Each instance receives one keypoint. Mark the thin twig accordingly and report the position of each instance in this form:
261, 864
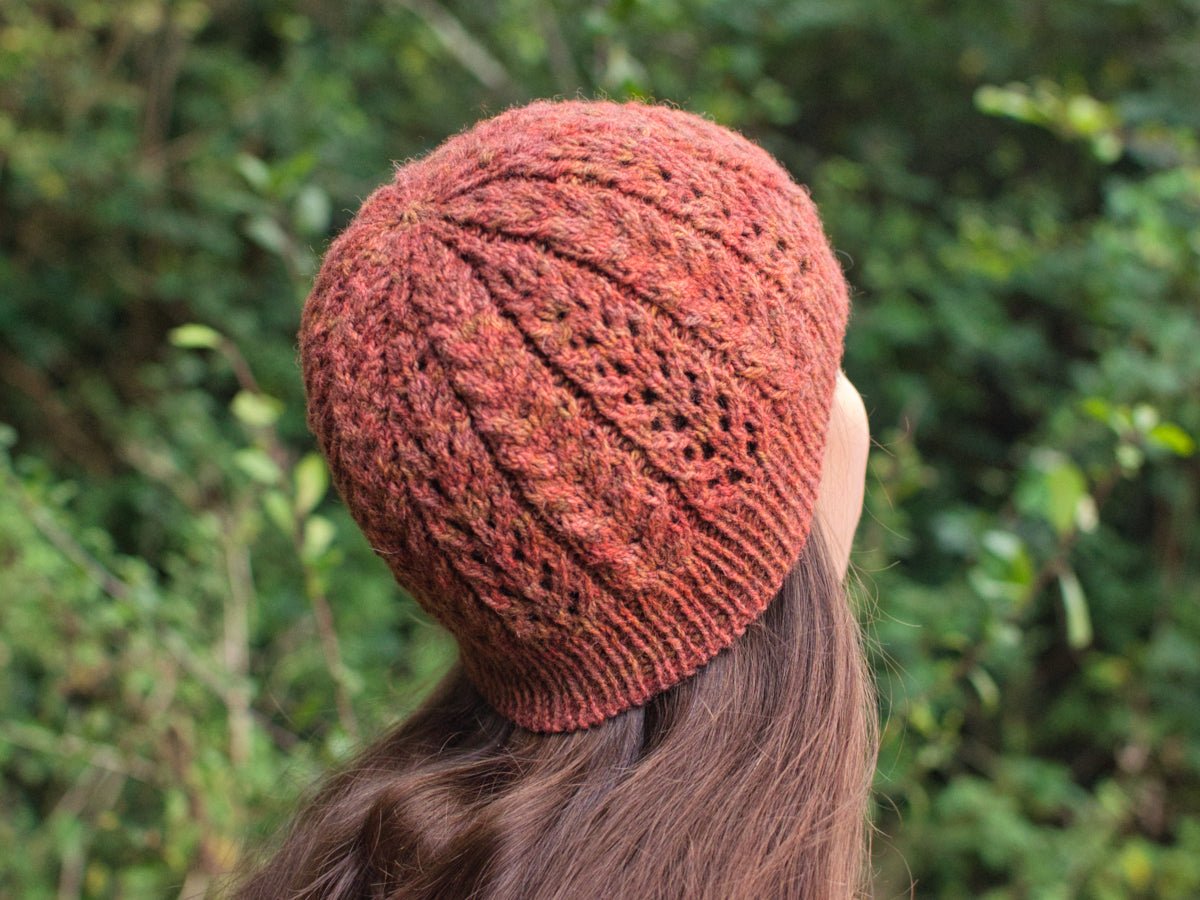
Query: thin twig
470, 53
1057, 564
562, 63
333, 657
99, 790
100, 756
236, 645
61, 540
241, 369
1049, 570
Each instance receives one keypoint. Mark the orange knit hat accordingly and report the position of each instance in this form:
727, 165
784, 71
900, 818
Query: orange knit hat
572, 373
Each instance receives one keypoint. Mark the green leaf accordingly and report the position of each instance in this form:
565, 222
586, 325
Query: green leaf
257, 465
1066, 488
318, 535
1005, 570
256, 410
1098, 408
311, 480
1003, 544
279, 511
1012, 101
1137, 865
1087, 115
268, 234
311, 210
1144, 417
1130, 457
256, 172
1075, 610
194, 336
1054, 489
1170, 436
985, 686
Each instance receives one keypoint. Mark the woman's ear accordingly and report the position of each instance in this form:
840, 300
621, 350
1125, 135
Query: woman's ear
844, 472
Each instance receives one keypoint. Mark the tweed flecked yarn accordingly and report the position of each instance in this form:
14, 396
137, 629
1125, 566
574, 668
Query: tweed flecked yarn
572, 373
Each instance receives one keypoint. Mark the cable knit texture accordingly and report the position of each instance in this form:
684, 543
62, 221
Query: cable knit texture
572, 373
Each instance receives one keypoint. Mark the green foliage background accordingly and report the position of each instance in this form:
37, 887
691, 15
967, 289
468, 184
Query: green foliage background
190, 626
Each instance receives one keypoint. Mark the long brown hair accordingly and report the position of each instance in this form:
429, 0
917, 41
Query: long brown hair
748, 780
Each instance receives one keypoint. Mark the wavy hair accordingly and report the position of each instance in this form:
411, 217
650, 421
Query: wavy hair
748, 780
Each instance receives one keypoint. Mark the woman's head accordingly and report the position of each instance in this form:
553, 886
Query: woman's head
574, 374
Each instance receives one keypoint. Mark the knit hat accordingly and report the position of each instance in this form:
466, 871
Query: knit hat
572, 373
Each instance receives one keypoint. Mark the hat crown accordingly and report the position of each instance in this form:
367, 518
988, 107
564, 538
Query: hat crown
572, 373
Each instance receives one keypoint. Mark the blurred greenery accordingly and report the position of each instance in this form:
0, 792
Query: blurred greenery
191, 627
